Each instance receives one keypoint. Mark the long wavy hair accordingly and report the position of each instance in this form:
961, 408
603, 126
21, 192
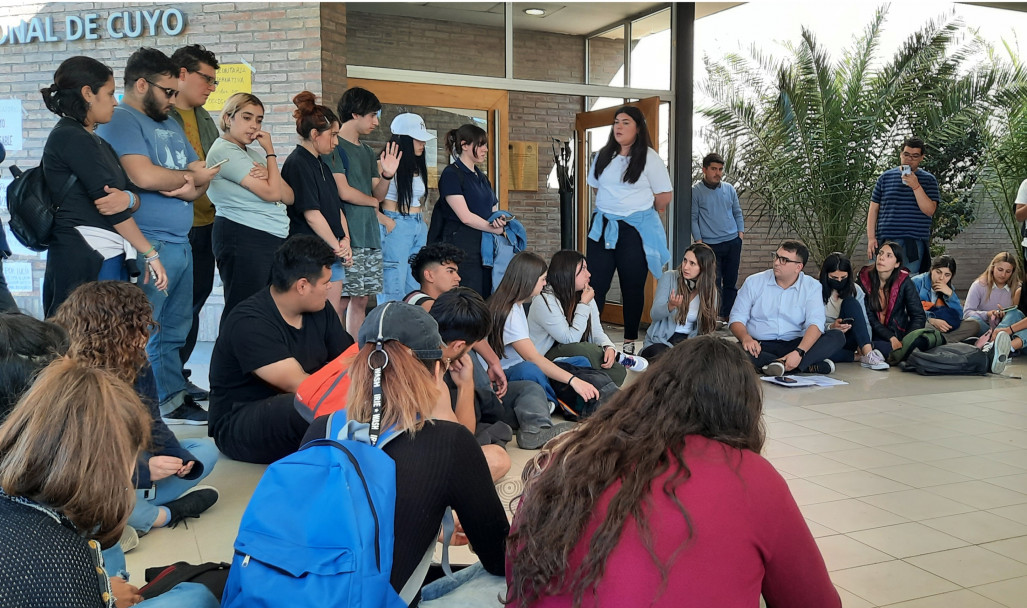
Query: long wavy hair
639, 149
873, 301
409, 389
987, 277
704, 386
705, 286
563, 271
410, 166
108, 323
518, 282
837, 262
71, 444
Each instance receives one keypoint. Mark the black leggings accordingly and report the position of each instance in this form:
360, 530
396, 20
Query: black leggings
628, 259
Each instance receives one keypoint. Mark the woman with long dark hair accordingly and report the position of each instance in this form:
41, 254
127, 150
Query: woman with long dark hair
686, 303
941, 302
662, 495
251, 221
845, 310
466, 204
94, 234
626, 235
510, 338
893, 305
563, 320
401, 222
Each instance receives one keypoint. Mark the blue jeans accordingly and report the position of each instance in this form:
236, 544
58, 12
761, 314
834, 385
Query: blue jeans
857, 336
525, 370
113, 269
406, 239
146, 510
173, 313
1011, 317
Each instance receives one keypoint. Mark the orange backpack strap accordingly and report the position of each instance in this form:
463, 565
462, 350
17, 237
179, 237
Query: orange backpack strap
325, 391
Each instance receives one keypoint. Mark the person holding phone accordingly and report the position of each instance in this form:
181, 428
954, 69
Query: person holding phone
686, 302
250, 199
845, 310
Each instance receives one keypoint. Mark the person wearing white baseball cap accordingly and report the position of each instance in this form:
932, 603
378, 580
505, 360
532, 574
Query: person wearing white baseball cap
402, 228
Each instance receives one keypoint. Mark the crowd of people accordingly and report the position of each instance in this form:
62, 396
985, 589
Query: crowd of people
470, 346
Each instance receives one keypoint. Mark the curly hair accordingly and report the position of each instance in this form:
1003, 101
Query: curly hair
108, 323
703, 386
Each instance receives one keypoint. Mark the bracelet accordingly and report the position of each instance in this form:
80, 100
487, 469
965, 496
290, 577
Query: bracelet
570, 382
270, 155
131, 199
156, 255
148, 252
917, 188
389, 177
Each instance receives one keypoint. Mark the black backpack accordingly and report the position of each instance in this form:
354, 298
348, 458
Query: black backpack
956, 359
33, 206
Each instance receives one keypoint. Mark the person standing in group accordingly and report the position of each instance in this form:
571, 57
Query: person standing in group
197, 79
686, 302
361, 188
625, 234
158, 159
1020, 215
93, 228
316, 207
466, 202
717, 221
251, 222
904, 200
403, 230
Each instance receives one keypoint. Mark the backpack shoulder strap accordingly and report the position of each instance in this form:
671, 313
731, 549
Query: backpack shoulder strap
65, 190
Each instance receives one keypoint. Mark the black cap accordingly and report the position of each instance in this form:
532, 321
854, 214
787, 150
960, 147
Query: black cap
409, 325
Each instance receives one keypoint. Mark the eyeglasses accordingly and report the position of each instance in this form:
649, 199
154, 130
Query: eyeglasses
911, 156
171, 93
782, 260
211, 81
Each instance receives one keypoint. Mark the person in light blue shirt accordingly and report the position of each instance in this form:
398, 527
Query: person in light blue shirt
717, 221
779, 315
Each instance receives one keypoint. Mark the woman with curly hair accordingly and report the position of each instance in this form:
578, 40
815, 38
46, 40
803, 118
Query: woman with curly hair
662, 495
686, 301
108, 324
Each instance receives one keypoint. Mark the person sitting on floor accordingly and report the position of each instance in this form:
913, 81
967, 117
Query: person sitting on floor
66, 452
778, 316
27, 345
1014, 323
845, 310
940, 300
563, 320
662, 499
990, 294
268, 345
686, 302
893, 304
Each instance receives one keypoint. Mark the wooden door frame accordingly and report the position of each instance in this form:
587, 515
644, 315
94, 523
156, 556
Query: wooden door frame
488, 100
650, 108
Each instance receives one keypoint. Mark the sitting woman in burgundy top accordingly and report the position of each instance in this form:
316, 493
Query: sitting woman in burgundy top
662, 499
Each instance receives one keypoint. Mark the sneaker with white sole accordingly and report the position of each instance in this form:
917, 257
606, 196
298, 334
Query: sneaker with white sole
536, 439
1000, 348
187, 413
633, 362
874, 360
774, 368
191, 504
824, 368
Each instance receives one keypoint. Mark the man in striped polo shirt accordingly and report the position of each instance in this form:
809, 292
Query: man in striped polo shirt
901, 207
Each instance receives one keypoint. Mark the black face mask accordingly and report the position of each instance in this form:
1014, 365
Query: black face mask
837, 285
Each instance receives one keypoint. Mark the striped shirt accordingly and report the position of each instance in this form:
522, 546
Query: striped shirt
899, 216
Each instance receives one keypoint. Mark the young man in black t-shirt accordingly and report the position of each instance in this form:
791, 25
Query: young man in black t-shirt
268, 345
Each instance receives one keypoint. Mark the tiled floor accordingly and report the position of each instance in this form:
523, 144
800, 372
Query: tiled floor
915, 487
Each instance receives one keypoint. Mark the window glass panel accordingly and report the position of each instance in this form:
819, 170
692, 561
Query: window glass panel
650, 51
606, 58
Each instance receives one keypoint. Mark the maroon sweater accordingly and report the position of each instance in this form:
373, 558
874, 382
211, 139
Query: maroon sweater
749, 538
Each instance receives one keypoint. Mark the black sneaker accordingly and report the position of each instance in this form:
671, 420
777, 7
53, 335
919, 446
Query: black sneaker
187, 413
197, 393
824, 368
535, 440
191, 504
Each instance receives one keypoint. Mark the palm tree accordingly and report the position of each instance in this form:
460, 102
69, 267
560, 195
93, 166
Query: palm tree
813, 135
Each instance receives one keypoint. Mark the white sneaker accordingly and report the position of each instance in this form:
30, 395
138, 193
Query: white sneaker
874, 360
774, 368
1000, 348
633, 362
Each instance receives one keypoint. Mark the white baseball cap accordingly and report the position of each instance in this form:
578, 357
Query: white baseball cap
412, 125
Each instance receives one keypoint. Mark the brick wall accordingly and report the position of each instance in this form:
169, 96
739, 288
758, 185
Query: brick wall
282, 41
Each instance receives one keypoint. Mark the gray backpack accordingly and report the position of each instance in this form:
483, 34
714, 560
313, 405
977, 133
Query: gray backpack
948, 360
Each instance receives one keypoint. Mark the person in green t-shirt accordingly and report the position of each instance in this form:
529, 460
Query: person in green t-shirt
361, 188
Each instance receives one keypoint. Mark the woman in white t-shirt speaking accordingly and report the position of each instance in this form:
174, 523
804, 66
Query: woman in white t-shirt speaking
632, 185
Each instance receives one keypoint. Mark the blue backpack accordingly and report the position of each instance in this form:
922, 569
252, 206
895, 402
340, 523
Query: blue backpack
319, 528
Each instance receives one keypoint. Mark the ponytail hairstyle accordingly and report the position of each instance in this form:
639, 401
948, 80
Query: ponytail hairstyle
639, 149
873, 300
563, 272
518, 282
466, 134
64, 96
410, 166
706, 288
310, 116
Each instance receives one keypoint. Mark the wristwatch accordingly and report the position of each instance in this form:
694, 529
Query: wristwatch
801, 352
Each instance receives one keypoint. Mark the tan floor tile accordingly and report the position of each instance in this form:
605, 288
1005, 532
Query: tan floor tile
1017, 513
881, 420
919, 475
818, 530
1017, 458
807, 492
795, 414
961, 599
906, 540
1009, 420
831, 425
970, 566
977, 467
851, 600
971, 444
781, 430
841, 552
1017, 483
850, 515
810, 464
1010, 593
930, 400
1015, 548
855, 484
777, 449
977, 527
923, 451
917, 504
872, 437
980, 494
968, 426
847, 409
820, 443
867, 458
1016, 438
890, 582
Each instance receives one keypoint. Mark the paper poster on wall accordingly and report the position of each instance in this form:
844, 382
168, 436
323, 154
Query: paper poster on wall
232, 78
19, 276
10, 124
